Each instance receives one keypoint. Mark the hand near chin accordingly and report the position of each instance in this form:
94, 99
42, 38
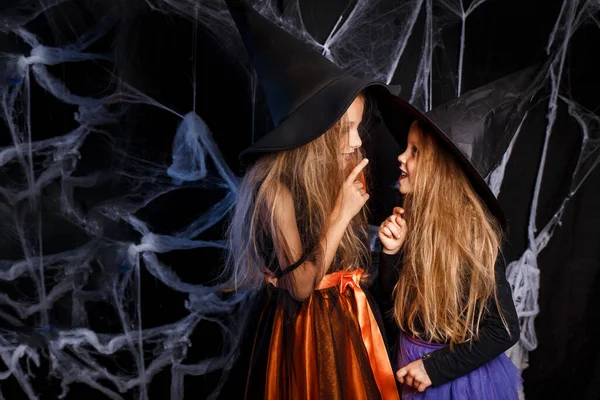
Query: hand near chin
392, 232
352, 196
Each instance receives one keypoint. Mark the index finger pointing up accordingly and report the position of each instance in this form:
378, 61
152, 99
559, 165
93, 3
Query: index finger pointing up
354, 174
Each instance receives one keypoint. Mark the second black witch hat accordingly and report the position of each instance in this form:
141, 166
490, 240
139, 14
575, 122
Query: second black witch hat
476, 127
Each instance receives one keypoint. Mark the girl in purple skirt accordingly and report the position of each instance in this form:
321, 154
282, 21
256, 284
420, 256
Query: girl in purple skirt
445, 278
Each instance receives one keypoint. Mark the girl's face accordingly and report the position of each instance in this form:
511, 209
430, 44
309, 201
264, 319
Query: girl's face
351, 141
408, 160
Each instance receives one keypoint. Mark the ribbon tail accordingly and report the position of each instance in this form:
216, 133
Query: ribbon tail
378, 358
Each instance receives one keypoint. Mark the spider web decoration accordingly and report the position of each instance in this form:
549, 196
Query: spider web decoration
77, 247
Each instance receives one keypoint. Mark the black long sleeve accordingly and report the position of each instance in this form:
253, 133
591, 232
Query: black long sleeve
388, 273
445, 365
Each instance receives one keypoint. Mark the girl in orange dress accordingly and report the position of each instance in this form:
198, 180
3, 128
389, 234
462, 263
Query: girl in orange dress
298, 235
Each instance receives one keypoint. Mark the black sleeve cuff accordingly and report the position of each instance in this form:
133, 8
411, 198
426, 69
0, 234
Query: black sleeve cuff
391, 259
436, 377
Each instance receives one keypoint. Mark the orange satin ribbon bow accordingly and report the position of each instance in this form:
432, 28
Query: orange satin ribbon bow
369, 329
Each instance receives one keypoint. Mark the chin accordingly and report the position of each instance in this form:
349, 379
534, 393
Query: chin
403, 190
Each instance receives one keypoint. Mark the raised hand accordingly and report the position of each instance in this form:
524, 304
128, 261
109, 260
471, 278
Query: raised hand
352, 196
392, 232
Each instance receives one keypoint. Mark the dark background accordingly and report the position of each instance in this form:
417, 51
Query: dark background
155, 51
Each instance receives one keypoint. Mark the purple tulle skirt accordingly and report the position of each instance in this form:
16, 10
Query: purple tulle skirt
497, 380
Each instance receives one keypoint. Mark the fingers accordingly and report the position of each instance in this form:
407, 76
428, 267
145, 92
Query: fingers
361, 190
409, 380
357, 170
400, 374
396, 225
398, 221
392, 220
397, 218
391, 229
401, 222
358, 186
387, 232
411, 375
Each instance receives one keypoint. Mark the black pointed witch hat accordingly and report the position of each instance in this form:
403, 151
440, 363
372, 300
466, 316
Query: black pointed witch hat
306, 93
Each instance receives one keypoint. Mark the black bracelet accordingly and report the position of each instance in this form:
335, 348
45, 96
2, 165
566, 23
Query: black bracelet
282, 272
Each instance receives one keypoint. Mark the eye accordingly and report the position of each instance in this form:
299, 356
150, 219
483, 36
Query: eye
414, 150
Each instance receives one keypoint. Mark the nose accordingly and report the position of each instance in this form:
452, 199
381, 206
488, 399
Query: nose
354, 139
402, 158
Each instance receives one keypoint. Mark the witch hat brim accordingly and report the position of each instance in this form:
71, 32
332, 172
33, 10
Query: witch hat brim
476, 128
317, 115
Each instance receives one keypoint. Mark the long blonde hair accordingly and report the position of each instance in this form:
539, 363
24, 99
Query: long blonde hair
453, 241
313, 173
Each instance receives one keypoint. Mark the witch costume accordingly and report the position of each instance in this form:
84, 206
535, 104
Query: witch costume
477, 369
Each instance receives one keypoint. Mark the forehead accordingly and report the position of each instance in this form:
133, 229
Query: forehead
414, 134
356, 109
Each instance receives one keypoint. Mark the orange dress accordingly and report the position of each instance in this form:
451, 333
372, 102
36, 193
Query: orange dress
327, 347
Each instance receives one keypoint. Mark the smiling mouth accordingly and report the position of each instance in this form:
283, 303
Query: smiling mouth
403, 174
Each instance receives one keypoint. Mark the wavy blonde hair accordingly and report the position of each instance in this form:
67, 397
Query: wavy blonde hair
450, 253
313, 173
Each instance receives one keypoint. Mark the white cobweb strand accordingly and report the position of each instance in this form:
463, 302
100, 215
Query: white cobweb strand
494, 180
457, 7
